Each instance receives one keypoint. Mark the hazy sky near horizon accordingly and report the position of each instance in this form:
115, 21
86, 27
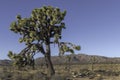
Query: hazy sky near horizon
92, 24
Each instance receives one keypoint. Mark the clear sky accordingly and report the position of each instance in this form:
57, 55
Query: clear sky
92, 24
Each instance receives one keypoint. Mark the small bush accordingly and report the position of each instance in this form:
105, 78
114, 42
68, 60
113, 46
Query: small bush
58, 77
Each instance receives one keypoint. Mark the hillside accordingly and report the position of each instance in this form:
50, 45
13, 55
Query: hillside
5, 62
75, 59
80, 59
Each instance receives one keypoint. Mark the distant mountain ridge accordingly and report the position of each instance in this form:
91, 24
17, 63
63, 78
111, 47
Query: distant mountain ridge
80, 59
5, 62
74, 59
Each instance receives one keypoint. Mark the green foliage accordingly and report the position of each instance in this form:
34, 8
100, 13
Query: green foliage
67, 47
44, 23
42, 28
20, 60
10, 54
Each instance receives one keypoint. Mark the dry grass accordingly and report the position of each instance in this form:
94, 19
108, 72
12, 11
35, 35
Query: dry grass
62, 72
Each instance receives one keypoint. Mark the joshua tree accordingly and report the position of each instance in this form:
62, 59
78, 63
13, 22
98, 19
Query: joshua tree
39, 31
93, 61
21, 60
68, 62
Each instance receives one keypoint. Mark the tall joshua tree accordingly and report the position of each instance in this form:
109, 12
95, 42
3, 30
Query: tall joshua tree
39, 31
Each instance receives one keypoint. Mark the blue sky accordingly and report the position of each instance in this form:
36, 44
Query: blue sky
92, 24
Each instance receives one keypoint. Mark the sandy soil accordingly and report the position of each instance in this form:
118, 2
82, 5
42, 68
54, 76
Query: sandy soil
103, 78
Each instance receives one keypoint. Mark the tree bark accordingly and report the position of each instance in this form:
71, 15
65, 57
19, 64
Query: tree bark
50, 68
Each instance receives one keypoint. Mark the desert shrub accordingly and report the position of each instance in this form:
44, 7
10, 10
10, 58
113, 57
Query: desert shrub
102, 72
17, 76
5, 76
26, 76
107, 72
112, 73
85, 73
57, 77
40, 76
99, 78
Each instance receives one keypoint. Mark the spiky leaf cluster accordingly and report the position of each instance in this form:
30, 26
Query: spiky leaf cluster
21, 60
67, 47
44, 23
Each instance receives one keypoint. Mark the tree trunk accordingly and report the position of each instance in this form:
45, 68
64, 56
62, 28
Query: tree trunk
50, 68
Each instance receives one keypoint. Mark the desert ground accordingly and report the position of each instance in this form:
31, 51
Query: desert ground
63, 72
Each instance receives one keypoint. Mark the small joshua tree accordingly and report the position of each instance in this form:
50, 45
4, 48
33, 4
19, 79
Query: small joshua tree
43, 28
68, 62
93, 61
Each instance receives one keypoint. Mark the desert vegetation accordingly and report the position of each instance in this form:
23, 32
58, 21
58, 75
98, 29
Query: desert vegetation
42, 29
76, 72
39, 32
64, 70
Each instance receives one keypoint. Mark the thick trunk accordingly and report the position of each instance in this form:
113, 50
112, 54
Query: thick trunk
50, 68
